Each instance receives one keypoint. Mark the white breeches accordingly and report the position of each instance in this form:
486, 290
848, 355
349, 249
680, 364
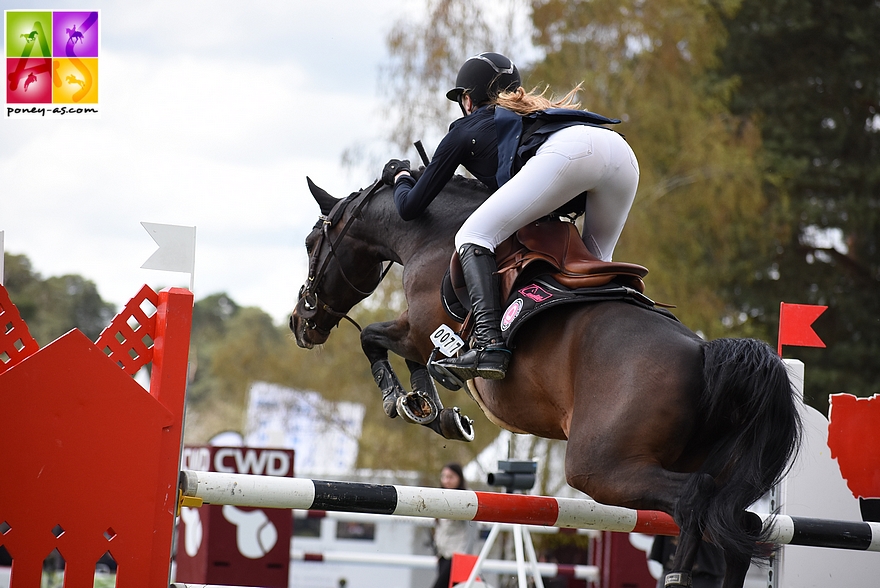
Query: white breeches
573, 160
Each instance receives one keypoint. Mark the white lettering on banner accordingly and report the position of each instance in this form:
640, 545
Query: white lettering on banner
220, 456
196, 458
252, 461
279, 463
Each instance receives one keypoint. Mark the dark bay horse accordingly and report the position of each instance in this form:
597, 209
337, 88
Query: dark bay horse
655, 417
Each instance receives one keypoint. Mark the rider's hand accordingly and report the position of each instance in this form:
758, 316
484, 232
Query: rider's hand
392, 168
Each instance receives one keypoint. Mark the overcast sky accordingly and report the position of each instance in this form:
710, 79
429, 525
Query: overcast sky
212, 114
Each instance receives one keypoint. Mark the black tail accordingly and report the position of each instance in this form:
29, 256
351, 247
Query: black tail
749, 396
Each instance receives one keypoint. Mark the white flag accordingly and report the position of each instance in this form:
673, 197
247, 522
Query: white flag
177, 248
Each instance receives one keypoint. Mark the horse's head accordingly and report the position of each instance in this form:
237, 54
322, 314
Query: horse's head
343, 270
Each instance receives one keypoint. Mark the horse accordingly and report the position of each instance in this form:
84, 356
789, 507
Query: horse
72, 79
656, 418
74, 35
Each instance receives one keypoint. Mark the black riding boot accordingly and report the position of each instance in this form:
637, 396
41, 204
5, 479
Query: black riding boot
488, 356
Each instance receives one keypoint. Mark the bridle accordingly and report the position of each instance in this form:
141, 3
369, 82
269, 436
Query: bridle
308, 294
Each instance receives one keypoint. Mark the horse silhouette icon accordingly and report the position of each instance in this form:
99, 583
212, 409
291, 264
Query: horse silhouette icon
255, 535
74, 35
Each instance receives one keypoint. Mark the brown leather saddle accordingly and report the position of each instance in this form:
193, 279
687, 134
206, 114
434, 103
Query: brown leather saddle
553, 247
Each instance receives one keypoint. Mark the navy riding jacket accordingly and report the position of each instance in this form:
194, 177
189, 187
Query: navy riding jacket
492, 143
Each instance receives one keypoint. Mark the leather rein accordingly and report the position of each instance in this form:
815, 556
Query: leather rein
310, 288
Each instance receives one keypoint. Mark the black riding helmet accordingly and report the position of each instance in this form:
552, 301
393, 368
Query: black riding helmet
483, 76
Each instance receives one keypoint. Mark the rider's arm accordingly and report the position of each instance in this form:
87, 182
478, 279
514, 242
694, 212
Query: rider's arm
412, 197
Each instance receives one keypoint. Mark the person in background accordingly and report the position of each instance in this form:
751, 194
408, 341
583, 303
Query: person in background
451, 536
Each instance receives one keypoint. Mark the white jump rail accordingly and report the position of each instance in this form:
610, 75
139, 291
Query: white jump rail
386, 499
300, 493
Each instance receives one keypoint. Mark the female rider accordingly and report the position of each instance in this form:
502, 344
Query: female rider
535, 156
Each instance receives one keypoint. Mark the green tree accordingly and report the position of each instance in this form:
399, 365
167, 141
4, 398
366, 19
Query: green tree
55, 305
699, 216
809, 73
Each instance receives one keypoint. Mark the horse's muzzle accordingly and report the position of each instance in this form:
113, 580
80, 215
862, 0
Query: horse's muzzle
298, 327
304, 330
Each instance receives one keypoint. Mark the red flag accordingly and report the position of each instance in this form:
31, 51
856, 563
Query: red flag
795, 325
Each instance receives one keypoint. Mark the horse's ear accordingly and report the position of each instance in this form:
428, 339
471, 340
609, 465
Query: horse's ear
325, 201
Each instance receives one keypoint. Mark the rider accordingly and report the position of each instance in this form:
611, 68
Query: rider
535, 155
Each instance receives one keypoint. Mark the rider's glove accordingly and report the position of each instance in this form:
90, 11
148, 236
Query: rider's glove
392, 168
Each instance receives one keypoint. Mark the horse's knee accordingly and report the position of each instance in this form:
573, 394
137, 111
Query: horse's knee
371, 343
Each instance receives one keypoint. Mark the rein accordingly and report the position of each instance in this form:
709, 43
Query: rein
315, 277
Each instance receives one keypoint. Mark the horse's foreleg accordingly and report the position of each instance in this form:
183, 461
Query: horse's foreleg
376, 340
447, 422
422, 405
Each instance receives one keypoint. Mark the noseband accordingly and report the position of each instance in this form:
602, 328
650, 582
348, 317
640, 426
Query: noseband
310, 288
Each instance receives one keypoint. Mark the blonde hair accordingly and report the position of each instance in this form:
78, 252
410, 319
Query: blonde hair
522, 102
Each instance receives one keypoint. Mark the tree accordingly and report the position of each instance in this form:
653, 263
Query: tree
425, 56
55, 305
809, 73
699, 215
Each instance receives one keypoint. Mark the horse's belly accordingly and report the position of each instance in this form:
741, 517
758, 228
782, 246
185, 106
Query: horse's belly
519, 409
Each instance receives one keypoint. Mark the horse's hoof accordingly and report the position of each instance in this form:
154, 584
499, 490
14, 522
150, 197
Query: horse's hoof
389, 405
456, 426
416, 408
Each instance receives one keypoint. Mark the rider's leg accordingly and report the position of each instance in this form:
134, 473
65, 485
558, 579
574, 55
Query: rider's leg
571, 161
609, 201
488, 356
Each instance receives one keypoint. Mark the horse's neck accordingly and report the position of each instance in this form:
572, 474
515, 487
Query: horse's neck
400, 241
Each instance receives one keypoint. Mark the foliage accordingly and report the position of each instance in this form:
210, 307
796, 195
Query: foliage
699, 216
55, 305
809, 73
425, 55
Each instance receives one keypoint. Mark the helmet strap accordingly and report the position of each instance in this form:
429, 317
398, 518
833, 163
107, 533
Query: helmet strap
464, 111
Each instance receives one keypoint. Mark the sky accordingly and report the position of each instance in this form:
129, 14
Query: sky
212, 114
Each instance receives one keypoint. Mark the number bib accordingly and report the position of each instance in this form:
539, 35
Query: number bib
445, 339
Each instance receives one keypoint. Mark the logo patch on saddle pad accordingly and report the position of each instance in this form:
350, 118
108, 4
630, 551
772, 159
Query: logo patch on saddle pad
535, 292
511, 313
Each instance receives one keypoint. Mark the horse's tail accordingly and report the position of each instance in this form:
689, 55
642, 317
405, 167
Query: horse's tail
749, 395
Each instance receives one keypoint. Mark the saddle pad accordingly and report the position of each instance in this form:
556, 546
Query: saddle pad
545, 292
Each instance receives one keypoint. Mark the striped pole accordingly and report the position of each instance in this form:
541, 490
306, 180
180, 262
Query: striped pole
852, 535
427, 562
277, 492
462, 505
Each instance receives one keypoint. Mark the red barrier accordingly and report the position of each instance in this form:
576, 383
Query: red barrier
90, 459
